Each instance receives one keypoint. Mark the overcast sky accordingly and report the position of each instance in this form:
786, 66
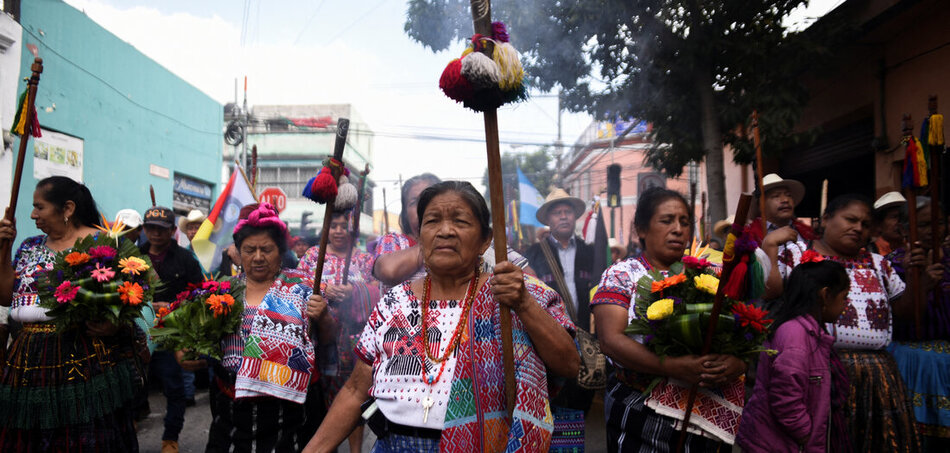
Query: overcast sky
320, 52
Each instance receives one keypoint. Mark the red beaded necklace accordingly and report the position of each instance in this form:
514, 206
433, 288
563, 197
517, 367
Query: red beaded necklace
456, 335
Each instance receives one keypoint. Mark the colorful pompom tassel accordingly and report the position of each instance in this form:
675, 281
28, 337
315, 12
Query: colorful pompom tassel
480, 71
499, 32
453, 84
346, 195
321, 188
915, 164
510, 71
735, 287
935, 130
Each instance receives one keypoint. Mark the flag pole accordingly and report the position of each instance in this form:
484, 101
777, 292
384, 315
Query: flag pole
910, 193
481, 19
356, 224
31, 86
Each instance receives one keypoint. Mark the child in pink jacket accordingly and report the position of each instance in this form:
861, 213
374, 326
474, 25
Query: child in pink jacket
799, 393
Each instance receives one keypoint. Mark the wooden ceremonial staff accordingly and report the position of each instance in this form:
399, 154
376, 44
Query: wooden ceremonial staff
31, 86
151, 191
760, 172
356, 224
936, 152
481, 18
342, 127
742, 214
254, 169
910, 193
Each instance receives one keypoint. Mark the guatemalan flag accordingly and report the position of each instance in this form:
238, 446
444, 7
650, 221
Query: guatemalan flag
531, 200
217, 230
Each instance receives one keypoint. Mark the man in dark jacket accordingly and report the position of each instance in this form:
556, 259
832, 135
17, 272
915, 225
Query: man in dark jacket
565, 262
176, 267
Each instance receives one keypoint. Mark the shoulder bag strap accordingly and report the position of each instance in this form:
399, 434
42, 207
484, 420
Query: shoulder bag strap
559, 279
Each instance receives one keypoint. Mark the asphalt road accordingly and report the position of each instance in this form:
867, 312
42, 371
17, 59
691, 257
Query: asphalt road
198, 419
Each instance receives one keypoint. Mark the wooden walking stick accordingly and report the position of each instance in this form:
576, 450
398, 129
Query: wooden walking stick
342, 127
728, 264
254, 169
910, 184
151, 191
356, 224
759, 170
481, 18
30, 127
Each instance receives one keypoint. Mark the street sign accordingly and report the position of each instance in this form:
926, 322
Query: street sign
274, 196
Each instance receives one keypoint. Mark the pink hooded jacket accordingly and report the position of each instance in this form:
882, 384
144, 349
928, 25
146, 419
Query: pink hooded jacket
792, 395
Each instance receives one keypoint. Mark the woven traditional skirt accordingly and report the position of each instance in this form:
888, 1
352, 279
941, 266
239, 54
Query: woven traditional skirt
66, 391
880, 416
568, 435
925, 369
632, 427
264, 424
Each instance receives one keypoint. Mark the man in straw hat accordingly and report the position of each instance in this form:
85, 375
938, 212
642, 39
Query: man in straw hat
565, 262
783, 229
887, 232
781, 198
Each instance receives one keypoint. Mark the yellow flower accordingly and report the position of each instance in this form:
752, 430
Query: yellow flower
660, 309
132, 265
706, 283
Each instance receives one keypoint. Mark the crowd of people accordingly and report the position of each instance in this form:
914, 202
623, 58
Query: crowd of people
404, 337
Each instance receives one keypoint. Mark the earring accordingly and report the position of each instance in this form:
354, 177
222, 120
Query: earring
65, 220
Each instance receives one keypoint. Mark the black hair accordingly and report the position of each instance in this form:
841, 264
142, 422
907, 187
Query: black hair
274, 232
878, 215
842, 201
468, 193
58, 190
647, 203
801, 292
404, 213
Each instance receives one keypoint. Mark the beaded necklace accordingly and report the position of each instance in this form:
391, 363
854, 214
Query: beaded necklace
466, 306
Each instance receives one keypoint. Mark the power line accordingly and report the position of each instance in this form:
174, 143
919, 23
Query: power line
120, 93
348, 27
309, 21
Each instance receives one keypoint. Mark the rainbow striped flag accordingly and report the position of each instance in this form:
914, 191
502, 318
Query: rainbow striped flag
215, 232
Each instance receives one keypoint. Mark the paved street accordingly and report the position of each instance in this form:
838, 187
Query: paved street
198, 420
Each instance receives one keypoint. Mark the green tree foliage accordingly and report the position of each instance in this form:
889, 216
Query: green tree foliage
536, 165
695, 69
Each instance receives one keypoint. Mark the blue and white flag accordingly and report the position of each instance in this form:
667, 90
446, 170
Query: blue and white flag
531, 200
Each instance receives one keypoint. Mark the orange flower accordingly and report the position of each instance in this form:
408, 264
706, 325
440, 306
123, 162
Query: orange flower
131, 293
162, 312
220, 304
132, 265
77, 258
667, 282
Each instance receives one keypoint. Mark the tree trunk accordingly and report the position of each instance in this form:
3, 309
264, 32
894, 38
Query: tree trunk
712, 145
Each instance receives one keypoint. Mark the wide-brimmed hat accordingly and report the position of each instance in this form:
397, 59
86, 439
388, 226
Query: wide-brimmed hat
889, 200
720, 228
129, 217
194, 216
556, 196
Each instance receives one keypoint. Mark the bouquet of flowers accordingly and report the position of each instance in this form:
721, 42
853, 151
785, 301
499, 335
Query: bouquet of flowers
673, 313
100, 278
200, 317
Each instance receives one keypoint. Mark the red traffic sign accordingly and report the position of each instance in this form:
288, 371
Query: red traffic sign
274, 196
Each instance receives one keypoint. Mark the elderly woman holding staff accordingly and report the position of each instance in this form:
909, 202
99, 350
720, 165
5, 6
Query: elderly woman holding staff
431, 351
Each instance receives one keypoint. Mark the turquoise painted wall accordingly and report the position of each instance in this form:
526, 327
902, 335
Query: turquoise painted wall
129, 110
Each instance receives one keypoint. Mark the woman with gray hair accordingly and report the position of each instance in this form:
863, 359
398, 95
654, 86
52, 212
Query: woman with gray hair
431, 350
